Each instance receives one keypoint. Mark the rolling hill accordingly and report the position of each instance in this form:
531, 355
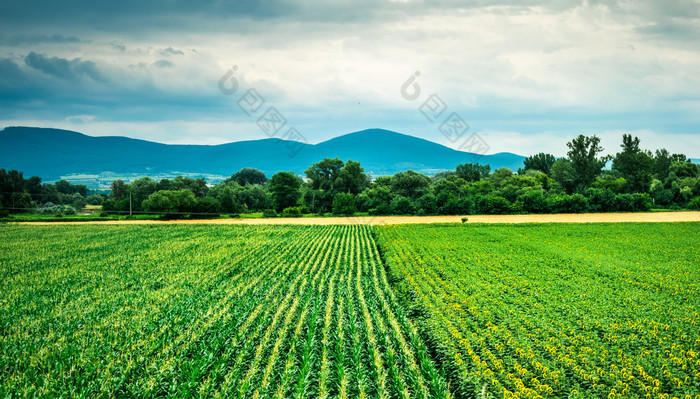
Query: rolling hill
52, 153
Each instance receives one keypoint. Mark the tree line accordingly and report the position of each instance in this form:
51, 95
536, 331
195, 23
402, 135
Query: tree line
636, 180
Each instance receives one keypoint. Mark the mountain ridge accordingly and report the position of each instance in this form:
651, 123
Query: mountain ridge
52, 153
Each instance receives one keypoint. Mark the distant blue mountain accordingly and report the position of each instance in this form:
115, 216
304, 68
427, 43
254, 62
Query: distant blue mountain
52, 153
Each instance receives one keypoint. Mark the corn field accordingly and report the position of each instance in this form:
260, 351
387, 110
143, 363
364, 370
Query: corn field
406, 311
204, 311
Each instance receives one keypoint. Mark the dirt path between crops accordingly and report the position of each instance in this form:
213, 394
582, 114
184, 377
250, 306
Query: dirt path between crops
380, 220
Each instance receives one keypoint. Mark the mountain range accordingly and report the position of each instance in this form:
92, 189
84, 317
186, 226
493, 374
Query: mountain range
52, 154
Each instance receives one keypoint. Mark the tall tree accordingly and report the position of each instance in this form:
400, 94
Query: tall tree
351, 179
33, 187
248, 176
11, 182
170, 202
634, 165
542, 162
410, 184
472, 172
284, 187
583, 153
323, 174
563, 173
662, 163
120, 190
140, 190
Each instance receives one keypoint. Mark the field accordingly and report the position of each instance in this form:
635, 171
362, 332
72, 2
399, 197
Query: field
588, 310
215, 311
560, 311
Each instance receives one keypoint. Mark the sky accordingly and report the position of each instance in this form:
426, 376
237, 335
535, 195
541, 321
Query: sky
526, 76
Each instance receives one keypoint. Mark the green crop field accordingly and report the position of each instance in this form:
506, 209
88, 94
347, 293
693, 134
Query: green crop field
419, 311
215, 311
560, 311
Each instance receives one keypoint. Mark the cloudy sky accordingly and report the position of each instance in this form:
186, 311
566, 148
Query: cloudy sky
527, 76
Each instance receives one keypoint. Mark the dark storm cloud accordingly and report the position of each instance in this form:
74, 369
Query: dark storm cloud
9, 71
62, 68
24, 40
132, 14
180, 15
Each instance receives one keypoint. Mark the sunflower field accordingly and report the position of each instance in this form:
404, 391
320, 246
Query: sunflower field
556, 310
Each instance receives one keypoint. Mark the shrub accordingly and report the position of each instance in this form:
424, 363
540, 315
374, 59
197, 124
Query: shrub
291, 212
170, 202
496, 205
344, 204
95, 199
428, 203
534, 202
575, 203
103, 214
207, 206
401, 206
269, 213
601, 200
633, 202
694, 204
642, 202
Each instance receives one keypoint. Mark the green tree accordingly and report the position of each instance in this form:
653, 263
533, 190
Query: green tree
563, 173
583, 153
119, 190
379, 200
198, 186
381, 181
351, 179
344, 204
207, 206
284, 187
140, 190
401, 205
33, 187
428, 203
473, 172
170, 202
542, 162
500, 177
662, 163
252, 197
410, 184
323, 174
248, 176
634, 165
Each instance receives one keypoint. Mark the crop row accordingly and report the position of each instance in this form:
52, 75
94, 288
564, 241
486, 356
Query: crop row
215, 311
560, 311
